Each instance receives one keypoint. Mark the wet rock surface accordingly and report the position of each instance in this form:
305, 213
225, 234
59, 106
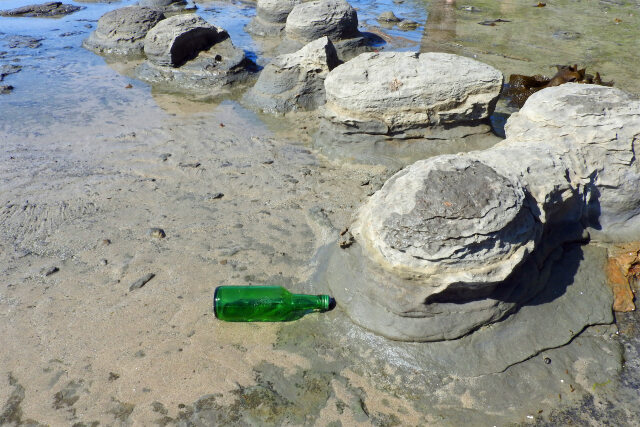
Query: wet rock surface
335, 19
294, 81
51, 9
122, 31
271, 17
452, 234
185, 52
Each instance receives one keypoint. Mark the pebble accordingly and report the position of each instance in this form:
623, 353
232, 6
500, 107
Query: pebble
157, 233
408, 24
141, 281
215, 196
49, 271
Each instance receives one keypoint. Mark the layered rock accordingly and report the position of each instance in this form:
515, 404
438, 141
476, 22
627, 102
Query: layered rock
271, 17
122, 31
295, 81
335, 19
186, 52
390, 101
51, 9
456, 242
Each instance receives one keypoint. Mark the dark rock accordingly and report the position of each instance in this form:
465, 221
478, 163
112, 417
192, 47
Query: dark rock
5, 89
45, 9
122, 31
24, 42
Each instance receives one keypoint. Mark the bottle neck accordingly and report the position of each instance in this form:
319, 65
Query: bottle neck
311, 302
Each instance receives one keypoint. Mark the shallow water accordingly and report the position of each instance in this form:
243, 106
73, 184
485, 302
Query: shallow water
84, 159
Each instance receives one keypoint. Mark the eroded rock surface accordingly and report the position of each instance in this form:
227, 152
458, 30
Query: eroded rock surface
335, 19
42, 10
396, 92
186, 52
295, 81
454, 242
271, 17
122, 31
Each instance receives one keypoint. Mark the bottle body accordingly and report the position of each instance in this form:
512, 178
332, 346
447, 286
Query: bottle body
264, 304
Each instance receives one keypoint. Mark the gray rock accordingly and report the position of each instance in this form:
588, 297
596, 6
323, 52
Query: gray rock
5, 89
180, 38
42, 10
405, 93
335, 19
455, 242
141, 281
187, 53
408, 25
388, 16
18, 42
122, 31
295, 81
271, 16
7, 69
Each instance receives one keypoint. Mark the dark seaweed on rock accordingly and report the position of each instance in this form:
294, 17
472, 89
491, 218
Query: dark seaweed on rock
521, 87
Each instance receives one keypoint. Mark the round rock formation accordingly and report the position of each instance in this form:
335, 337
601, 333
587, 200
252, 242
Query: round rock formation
187, 53
122, 31
271, 17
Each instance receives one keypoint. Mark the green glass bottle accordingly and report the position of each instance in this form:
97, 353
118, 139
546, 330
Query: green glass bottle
264, 304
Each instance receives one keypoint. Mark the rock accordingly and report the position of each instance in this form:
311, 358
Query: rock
156, 233
271, 16
179, 39
167, 6
456, 242
122, 31
5, 89
19, 42
335, 19
188, 54
410, 95
50, 270
295, 81
46, 9
141, 281
7, 69
388, 16
408, 25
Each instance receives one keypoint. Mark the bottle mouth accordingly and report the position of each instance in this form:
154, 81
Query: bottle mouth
326, 302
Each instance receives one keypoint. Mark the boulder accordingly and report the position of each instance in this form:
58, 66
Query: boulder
122, 31
186, 53
179, 39
50, 9
402, 93
295, 81
271, 17
335, 19
455, 242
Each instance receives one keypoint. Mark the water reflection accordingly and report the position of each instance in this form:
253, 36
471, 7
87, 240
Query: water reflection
439, 32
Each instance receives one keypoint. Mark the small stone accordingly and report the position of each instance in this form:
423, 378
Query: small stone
113, 376
388, 17
189, 165
547, 361
141, 281
51, 270
268, 162
157, 233
5, 89
104, 262
346, 240
165, 156
140, 353
106, 242
215, 196
408, 24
